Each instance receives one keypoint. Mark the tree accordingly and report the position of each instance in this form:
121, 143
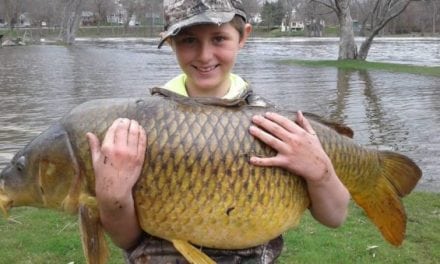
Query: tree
154, 7
289, 7
102, 8
134, 7
252, 7
44, 10
435, 14
378, 13
347, 44
70, 21
430, 9
13, 8
272, 14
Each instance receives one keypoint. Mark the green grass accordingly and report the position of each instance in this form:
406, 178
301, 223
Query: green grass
44, 236
34, 34
274, 33
359, 241
366, 65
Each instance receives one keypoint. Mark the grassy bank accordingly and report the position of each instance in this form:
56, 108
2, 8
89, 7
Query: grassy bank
359, 241
35, 34
44, 236
366, 65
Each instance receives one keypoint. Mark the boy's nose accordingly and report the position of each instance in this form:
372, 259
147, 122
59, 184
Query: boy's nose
206, 52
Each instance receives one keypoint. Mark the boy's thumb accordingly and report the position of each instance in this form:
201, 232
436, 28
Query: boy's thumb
94, 145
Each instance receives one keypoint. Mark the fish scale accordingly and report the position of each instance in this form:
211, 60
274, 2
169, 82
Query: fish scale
214, 166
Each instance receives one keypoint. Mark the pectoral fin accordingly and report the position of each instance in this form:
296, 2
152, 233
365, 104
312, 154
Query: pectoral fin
5, 204
191, 254
92, 233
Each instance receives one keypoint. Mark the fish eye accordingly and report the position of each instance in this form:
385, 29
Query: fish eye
20, 163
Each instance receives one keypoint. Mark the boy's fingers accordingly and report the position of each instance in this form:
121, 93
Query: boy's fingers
305, 124
265, 162
133, 133
122, 126
269, 130
143, 141
94, 145
109, 137
282, 121
266, 137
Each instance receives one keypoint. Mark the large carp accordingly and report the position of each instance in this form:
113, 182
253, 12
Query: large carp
197, 186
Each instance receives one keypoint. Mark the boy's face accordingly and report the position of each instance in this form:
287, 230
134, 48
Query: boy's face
207, 53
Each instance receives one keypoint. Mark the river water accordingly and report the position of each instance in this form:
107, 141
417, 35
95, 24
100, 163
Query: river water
390, 111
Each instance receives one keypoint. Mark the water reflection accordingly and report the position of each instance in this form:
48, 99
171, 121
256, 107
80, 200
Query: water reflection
38, 84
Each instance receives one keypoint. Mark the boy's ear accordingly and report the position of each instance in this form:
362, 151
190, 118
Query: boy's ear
246, 33
169, 42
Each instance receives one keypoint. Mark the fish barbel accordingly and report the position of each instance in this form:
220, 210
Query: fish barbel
197, 186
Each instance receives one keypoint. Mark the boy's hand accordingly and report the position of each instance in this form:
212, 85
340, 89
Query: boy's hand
300, 152
118, 162
299, 149
118, 165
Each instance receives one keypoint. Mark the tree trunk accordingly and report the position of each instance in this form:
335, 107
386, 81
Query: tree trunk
347, 45
434, 16
365, 48
10, 14
70, 22
130, 13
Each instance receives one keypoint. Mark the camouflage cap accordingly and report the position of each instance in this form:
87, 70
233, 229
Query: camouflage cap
185, 13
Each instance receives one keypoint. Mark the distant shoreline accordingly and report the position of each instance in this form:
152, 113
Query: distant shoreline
35, 34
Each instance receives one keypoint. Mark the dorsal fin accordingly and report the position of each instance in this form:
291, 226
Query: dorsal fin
338, 127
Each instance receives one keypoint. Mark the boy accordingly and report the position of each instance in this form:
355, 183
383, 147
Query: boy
206, 36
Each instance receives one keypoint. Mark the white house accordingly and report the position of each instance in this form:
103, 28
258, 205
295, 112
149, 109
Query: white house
293, 25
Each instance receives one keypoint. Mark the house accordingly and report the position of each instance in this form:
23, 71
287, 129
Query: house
133, 21
88, 18
23, 20
3, 23
292, 26
119, 16
292, 23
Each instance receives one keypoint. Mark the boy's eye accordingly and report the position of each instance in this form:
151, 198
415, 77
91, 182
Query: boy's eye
187, 40
219, 39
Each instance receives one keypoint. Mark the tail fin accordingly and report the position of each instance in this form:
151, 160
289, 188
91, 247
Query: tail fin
401, 172
383, 205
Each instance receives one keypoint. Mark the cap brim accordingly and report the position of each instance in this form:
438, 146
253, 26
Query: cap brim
207, 17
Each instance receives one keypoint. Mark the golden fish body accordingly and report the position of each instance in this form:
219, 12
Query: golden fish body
197, 185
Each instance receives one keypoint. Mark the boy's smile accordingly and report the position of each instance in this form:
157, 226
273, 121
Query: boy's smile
206, 69
206, 53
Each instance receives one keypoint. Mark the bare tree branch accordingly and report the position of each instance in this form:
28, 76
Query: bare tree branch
331, 6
